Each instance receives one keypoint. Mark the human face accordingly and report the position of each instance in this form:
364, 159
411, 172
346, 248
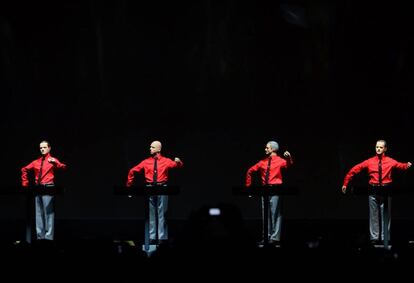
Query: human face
268, 149
155, 147
380, 148
44, 148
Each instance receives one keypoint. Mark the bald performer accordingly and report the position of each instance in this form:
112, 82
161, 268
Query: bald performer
156, 169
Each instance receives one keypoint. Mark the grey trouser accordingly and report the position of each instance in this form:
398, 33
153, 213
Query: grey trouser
45, 217
274, 217
376, 215
161, 204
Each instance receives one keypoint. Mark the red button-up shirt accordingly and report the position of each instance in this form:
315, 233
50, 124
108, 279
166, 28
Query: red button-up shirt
275, 174
48, 170
371, 165
164, 164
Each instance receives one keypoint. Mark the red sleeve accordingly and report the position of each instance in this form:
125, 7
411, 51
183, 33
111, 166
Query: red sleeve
401, 166
354, 170
59, 164
25, 172
132, 172
174, 164
250, 172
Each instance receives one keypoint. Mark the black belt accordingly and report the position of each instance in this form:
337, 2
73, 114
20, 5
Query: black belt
50, 185
156, 184
379, 185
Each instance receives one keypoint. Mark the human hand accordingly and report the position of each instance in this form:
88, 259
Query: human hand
177, 159
343, 189
51, 160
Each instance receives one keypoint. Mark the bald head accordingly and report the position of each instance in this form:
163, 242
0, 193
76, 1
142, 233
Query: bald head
155, 147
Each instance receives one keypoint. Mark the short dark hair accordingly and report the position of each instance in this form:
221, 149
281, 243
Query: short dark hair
385, 143
45, 141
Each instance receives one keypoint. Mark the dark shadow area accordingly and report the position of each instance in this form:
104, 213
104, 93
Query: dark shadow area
212, 245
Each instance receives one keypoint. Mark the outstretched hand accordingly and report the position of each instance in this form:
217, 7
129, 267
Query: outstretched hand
286, 154
343, 189
409, 164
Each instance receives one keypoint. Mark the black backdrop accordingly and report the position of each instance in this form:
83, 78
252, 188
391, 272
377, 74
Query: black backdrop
212, 80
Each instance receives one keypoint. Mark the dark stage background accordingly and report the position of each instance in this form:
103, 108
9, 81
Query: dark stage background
213, 81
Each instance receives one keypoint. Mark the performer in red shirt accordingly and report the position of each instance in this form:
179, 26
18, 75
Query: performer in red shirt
156, 170
44, 172
270, 169
379, 169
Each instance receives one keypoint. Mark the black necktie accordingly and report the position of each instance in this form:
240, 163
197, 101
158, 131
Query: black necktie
380, 171
268, 171
39, 176
155, 176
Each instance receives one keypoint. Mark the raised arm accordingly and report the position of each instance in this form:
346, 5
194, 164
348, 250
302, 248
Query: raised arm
178, 163
57, 163
288, 157
402, 166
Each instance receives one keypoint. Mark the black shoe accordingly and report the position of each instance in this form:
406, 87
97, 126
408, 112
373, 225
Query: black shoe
376, 242
274, 243
163, 242
269, 243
